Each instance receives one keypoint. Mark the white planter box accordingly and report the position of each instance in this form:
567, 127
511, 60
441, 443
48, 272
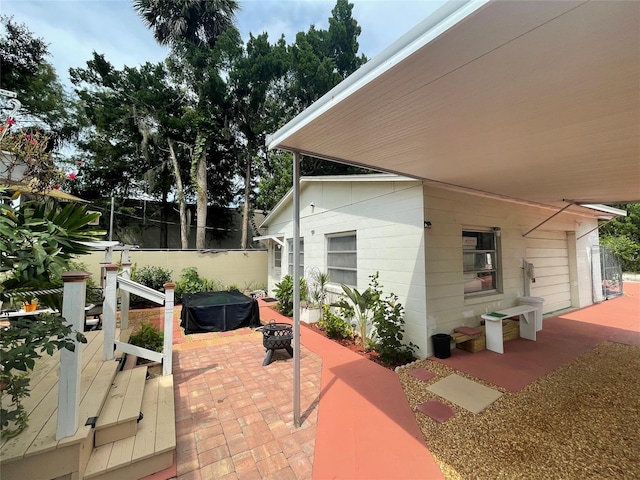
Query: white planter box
309, 315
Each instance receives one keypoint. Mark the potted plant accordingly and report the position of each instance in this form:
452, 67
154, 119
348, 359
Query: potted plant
31, 305
311, 310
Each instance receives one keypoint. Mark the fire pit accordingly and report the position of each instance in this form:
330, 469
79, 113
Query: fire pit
276, 336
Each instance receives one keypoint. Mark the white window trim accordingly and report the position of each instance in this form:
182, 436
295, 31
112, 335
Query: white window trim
346, 269
498, 259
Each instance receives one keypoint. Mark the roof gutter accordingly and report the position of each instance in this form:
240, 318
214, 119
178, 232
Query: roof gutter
450, 14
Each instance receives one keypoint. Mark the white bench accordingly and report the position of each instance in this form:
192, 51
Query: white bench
493, 325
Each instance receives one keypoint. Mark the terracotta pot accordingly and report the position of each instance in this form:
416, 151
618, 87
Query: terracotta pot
31, 307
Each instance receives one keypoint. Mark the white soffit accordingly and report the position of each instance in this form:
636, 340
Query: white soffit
538, 101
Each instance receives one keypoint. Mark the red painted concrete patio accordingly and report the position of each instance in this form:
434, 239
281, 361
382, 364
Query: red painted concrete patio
235, 418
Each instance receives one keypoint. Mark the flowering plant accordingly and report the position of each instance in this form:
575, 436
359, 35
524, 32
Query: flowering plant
25, 158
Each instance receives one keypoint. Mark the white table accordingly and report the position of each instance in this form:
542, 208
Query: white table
23, 313
493, 325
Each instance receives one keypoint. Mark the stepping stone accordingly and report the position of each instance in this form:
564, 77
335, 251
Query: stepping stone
422, 374
436, 410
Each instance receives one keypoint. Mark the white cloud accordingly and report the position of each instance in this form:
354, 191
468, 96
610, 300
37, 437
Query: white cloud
75, 28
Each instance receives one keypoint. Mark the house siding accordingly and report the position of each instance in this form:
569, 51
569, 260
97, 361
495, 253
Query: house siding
423, 266
566, 268
388, 222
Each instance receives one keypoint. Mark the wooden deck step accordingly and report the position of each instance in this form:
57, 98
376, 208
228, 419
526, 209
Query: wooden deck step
23, 456
151, 449
119, 416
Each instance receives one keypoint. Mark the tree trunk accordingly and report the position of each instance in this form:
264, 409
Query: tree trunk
201, 191
184, 231
245, 209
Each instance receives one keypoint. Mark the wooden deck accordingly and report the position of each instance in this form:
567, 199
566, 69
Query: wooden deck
115, 399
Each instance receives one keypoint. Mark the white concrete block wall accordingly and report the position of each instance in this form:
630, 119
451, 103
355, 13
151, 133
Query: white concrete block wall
424, 266
388, 221
450, 212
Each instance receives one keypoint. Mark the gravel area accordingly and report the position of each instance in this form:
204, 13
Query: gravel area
581, 421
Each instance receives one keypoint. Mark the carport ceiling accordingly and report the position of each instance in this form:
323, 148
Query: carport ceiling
538, 101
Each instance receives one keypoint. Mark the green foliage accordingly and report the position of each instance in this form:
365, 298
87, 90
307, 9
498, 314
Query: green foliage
363, 305
191, 282
37, 242
388, 318
334, 325
379, 322
627, 251
317, 292
151, 276
284, 294
149, 337
26, 71
26, 340
622, 236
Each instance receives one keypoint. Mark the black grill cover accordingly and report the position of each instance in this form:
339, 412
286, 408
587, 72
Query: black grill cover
218, 312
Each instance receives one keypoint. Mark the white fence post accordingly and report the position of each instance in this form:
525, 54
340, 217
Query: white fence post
73, 300
125, 295
109, 308
167, 362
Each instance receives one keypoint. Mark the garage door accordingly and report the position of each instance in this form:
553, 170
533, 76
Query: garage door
548, 253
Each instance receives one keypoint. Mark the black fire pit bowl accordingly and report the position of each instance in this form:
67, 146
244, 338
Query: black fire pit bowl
276, 336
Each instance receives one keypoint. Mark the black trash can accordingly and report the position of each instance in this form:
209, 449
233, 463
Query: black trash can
441, 345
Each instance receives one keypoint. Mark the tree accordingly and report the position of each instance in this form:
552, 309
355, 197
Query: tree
622, 236
26, 71
319, 60
255, 72
193, 28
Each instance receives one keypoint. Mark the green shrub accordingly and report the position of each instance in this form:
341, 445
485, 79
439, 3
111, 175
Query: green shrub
151, 276
191, 282
388, 319
149, 337
284, 294
334, 325
626, 250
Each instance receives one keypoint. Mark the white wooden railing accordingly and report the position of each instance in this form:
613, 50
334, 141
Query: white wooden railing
74, 293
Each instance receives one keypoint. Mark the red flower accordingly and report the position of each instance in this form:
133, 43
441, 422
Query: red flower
72, 176
11, 121
57, 187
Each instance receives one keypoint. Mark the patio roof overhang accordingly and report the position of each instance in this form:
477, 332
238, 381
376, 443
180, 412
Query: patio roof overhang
536, 101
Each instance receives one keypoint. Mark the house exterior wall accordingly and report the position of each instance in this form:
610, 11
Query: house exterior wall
450, 212
423, 266
388, 222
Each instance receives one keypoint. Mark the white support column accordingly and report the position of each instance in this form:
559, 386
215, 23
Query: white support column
167, 362
296, 289
109, 308
73, 299
125, 296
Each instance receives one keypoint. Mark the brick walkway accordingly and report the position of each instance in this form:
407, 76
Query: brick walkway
233, 416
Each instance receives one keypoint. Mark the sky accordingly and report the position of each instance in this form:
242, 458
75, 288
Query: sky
75, 28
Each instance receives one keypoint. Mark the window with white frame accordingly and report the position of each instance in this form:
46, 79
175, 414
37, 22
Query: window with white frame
481, 261
277, 255
290, 256
342, 258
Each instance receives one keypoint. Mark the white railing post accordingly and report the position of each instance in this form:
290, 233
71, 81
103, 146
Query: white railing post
109, 308
73, 300
124, 295
167, 361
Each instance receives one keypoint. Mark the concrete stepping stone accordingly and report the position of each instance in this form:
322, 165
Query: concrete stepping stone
436, 410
